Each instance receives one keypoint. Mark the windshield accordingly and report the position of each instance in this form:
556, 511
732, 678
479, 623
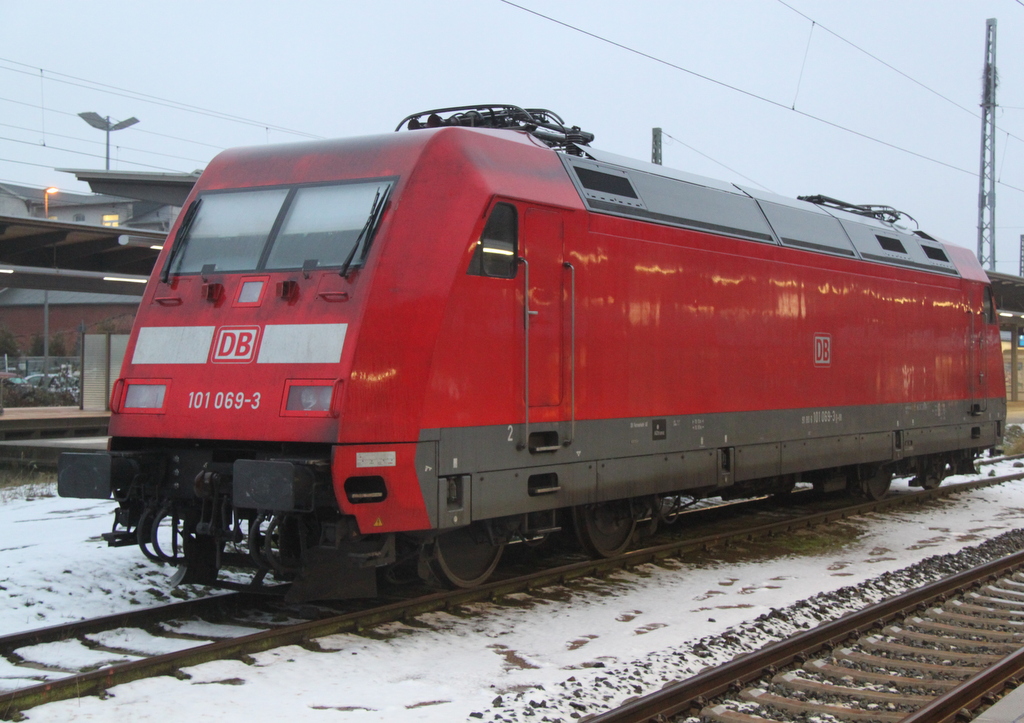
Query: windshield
277, 229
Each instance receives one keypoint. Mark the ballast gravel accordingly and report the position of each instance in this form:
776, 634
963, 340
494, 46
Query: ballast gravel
577, 697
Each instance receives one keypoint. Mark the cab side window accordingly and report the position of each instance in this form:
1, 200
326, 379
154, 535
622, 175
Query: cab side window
498, 246
988, 307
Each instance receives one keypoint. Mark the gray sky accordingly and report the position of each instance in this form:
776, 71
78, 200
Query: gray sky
337, 68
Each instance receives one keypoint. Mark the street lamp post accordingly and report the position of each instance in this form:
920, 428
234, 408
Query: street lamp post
46, 200
104, 124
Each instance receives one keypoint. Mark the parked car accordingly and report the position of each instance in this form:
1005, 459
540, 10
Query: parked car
42, 381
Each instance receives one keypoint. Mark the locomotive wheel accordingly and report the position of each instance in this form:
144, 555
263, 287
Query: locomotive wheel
876, 486
604, 530
461, 560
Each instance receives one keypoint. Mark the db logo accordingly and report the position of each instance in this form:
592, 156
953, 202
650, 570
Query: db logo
235, 343
822, 350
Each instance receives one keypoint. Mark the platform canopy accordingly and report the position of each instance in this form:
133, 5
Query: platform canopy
37, 253
1009, 293
168, 188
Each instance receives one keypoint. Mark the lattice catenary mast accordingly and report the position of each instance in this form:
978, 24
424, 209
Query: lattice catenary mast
987, 177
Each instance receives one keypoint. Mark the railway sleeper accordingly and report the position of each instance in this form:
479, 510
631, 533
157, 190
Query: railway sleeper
879, 662
790, 705
845, 674
984, 612
793, 681
976, 621
1002, 592
964, 644
877, 645
964, 629
999, 602
722, 714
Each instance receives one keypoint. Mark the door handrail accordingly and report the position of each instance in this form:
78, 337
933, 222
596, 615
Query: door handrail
572, 352
524, 442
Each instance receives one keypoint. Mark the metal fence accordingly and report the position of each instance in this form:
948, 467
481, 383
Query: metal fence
88, 377
25, 366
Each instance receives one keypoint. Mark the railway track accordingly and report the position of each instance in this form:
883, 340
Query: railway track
931, 655
190, 633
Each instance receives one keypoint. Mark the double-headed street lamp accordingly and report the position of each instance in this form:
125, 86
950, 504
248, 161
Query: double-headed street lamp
104, 124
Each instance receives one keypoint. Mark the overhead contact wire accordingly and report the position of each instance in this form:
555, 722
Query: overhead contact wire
145, 97
749, 94
879, 60
100, 143
82, 153
803, 65
705, 155
135, 129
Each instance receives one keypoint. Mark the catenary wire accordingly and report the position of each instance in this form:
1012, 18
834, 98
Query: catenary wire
893, 68
879, 60
803, 65
26, 163
748, 93
731, 170
58, 77
26, 185
135, 129
115, 90
83, 153
92, 142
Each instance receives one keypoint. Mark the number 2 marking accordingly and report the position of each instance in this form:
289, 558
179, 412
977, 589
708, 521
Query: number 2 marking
510, 433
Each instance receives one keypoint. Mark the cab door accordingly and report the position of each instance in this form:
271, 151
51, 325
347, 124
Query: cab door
541, 246
982, 314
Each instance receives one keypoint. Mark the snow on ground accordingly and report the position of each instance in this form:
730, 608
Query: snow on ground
445, 667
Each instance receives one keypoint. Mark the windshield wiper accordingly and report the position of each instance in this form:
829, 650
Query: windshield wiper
379, 201
183, 229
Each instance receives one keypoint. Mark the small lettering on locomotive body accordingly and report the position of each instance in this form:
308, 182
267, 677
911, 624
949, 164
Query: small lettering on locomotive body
822, 416
378, 459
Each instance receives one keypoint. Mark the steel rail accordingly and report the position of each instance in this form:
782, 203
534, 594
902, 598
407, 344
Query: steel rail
225, 602
95, 682
947, 707
678, 697
130, 618
981, 462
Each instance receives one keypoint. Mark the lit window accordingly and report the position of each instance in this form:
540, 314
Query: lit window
111, 219
496, 251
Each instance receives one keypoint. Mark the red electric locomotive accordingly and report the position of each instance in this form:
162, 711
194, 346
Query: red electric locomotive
420, 347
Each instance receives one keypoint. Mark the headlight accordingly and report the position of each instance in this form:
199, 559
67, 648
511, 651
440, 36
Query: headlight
302, 398
145, 396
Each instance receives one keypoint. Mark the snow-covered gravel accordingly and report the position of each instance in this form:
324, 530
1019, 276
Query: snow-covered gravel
557, 654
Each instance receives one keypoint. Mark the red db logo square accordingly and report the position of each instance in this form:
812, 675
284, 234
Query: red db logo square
822, 350
235, 344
